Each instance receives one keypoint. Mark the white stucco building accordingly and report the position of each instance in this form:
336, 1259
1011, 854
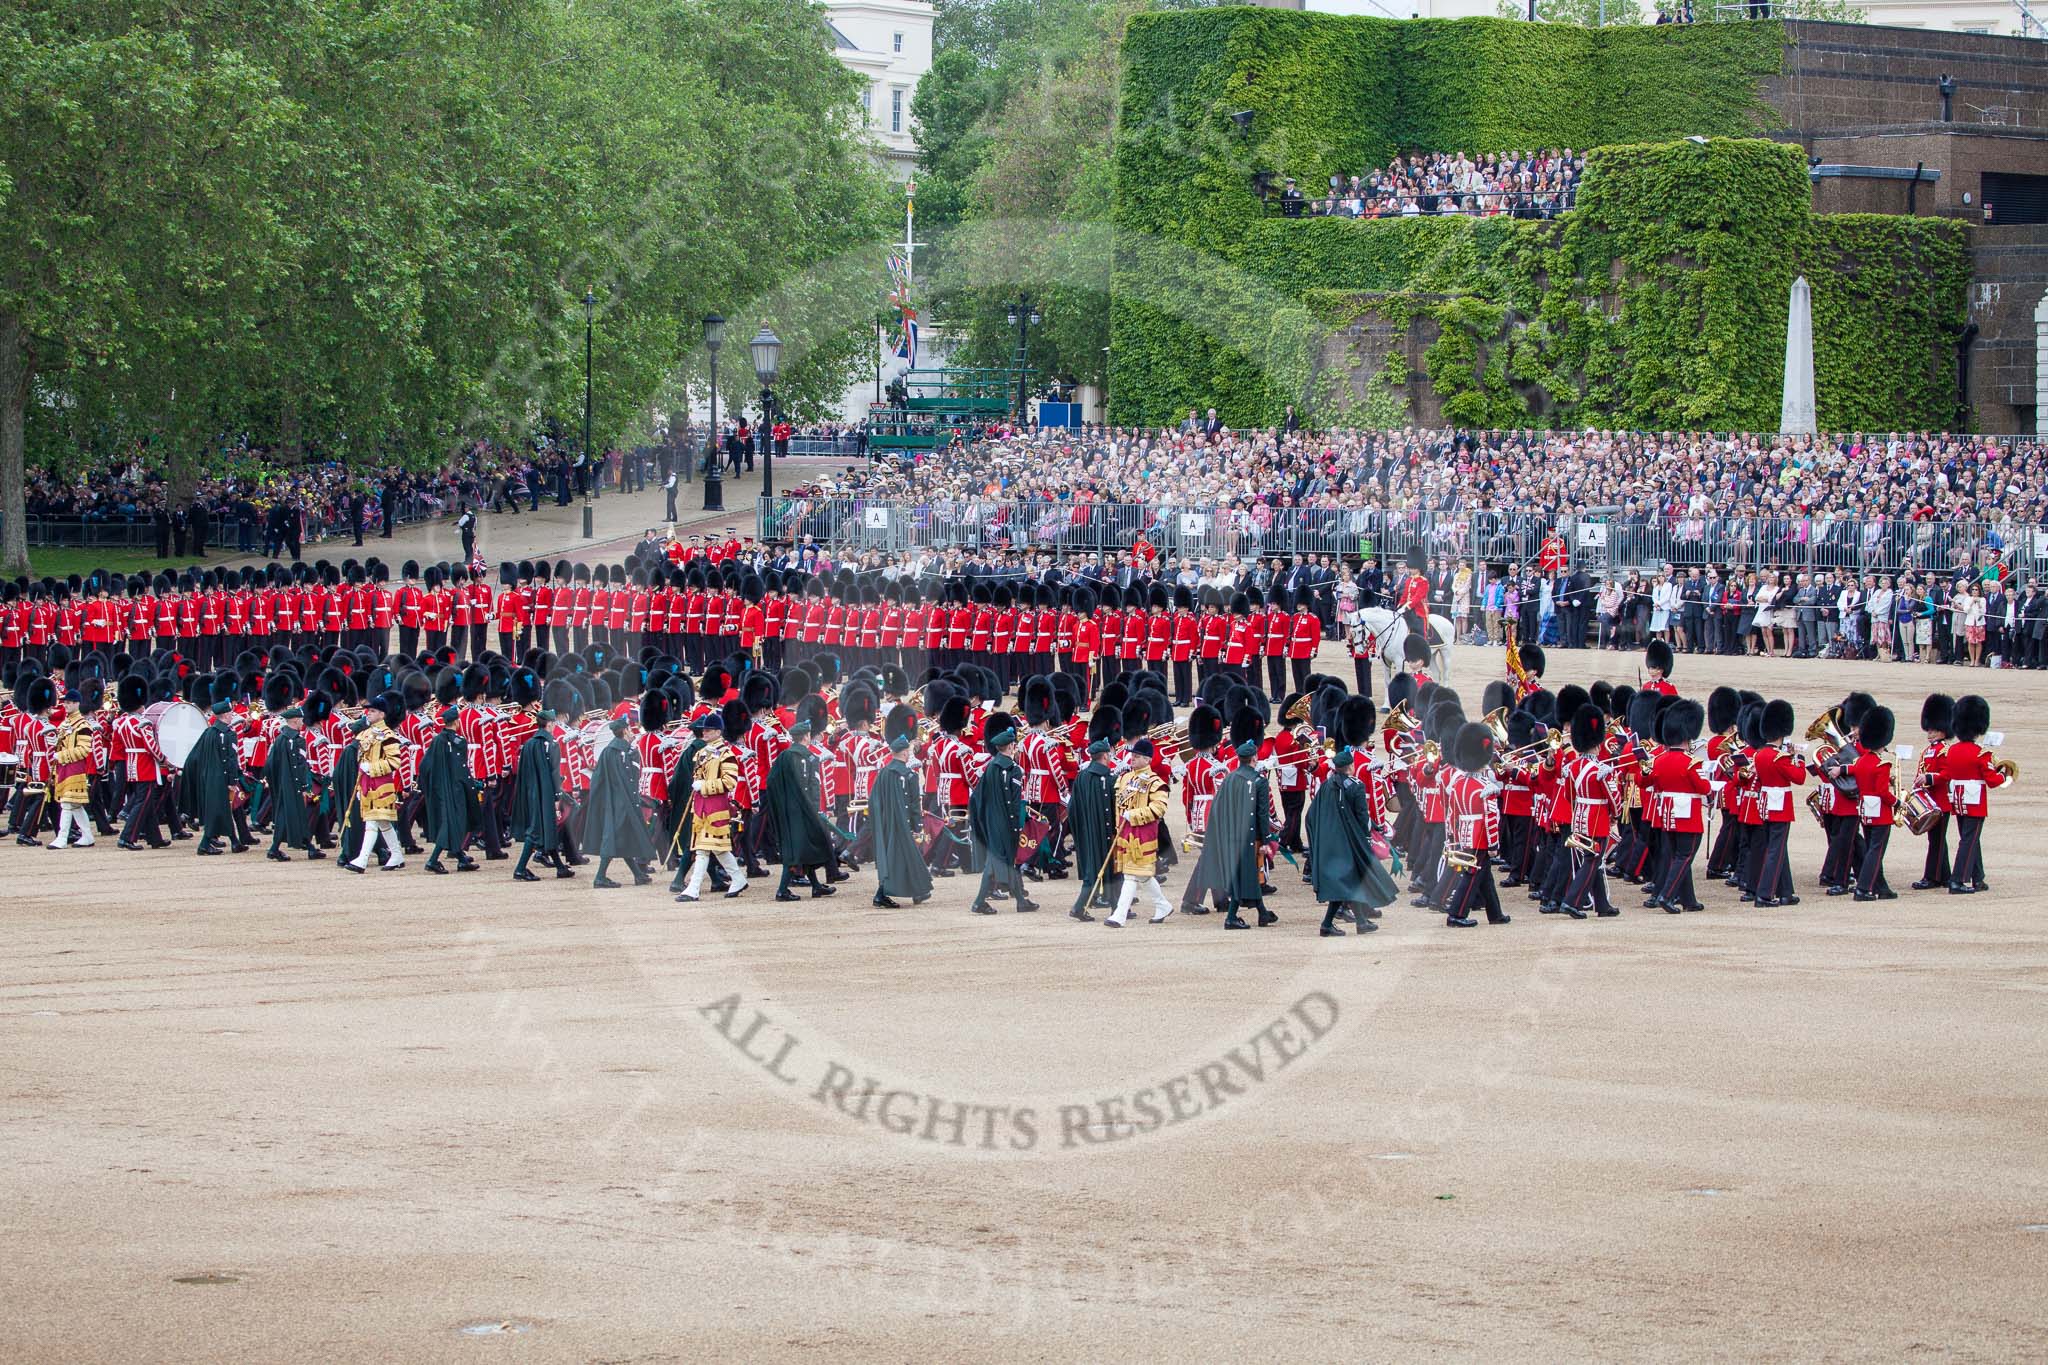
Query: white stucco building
889, 43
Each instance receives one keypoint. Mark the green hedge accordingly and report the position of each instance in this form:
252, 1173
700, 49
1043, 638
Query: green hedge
1661, 302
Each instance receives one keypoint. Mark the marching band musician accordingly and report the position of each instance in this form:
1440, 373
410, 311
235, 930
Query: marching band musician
1876, 800
945, 770
714, 780
1723, 706
1777, 773
537, 797
73, 763
862, 755
1745, 801
377, 793
1554, 803
1681, 793
288, 779
1140, 824
1595, 795
1970, 772
206, 784
1292, 748
895, 813
34, 696
1045, 781
1841, 816
1937, 721
1473, 827
1342, 869
996, 817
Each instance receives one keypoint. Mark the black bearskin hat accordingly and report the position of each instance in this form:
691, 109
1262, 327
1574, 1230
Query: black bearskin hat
716, 682
524, 687
1471, 747
758, 690
277, 692
1589, 727
736, 717
1570, 698
1938, 713
1414, 649
1038, 701
1497, 695
1400, 688
953, 714
1355, 719
1877, 728
1658, 656
91, 693
1205, 727
319, 706
902, 721
1107, 724
1680, 724
653, 710
1642, 715
1778, 722
1973, 718
1245, 725
132, 694
858, 704
1533, 661
1722, 704
1855, 707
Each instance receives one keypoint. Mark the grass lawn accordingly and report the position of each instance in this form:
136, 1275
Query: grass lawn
55, 563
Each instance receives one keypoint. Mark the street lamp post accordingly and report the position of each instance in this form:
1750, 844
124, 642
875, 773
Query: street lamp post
1023, 316
767, 351
714, 477
590, 473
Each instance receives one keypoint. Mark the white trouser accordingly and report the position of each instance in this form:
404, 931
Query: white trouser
702, 864
1161, 907
70, 817
373, 830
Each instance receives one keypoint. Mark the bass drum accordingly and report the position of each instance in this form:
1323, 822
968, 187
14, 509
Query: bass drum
178, 726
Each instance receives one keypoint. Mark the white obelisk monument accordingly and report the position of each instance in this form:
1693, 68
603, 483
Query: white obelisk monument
1796, 416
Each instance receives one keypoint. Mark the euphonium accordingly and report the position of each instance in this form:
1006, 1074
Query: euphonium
1496, 721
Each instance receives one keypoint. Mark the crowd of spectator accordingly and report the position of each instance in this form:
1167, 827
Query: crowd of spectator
1424, 184
253, 502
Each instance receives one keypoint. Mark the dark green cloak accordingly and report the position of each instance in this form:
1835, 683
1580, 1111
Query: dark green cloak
792, 806
676, 814
1341, 864
995, 812
1240, 820
1091, 814
348, 816
289, 778
614, 826
447, 813
210, 770
896, 814
537, 791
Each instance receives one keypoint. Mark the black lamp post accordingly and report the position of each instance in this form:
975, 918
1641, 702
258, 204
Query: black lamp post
590, 475
714, 476
767, 349
1023, 316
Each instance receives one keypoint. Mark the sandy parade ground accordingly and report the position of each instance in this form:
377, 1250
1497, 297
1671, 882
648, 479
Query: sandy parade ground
263, 1112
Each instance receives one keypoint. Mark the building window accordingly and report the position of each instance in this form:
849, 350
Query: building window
867, 105
896, 110
896, 42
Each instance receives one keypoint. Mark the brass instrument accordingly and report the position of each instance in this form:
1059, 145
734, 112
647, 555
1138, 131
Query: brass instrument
1825, 727
1458, 860
1191, 844
1299, 711
2007, 767
1169, 741
1517, 674
1402, 720
1496, 722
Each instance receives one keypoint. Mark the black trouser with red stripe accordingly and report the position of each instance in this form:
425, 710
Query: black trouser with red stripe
1870, 872
1936, 873
1675, 883
1969, 865
1588, 883
1474, 890
1773, 870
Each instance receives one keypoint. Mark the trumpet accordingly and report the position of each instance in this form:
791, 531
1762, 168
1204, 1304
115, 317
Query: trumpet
2006, 767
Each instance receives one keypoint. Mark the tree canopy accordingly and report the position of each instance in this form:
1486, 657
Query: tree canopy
363, 228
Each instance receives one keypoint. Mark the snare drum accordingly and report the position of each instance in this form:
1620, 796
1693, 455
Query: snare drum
1918, 812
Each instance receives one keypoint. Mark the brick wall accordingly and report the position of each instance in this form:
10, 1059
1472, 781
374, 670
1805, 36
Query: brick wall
1854, 76
2010, 271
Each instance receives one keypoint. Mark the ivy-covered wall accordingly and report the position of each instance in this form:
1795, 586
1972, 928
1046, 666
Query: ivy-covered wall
1660, 302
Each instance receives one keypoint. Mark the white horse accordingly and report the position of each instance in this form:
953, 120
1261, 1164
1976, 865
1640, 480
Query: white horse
1389, 631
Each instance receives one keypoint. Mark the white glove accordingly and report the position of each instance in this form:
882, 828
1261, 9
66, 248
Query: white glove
698, 786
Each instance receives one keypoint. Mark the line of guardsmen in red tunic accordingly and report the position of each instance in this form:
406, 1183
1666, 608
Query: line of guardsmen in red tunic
1559, 790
